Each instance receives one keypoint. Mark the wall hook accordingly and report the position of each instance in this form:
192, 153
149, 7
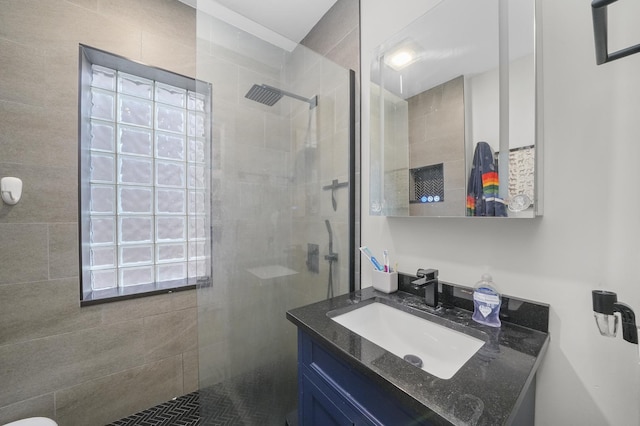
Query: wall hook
11, 190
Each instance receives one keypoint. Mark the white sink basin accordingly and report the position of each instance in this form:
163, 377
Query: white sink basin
442, 350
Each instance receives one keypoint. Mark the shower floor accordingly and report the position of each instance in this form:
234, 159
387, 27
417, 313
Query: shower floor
236, 402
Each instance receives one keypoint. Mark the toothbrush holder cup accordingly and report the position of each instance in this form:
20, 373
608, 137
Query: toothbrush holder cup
386, 282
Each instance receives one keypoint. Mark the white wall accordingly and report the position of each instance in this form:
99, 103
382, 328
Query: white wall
485, 115
588, 237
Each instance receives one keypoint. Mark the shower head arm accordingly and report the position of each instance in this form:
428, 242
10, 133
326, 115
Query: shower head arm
313, 102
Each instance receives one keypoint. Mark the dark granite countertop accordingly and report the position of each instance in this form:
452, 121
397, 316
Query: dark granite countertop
486, 391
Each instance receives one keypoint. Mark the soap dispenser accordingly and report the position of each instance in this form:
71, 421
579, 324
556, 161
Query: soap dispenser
486, 302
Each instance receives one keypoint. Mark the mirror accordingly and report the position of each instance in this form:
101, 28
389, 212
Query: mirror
453, 114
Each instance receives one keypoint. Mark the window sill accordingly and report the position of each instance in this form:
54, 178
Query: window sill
116, 294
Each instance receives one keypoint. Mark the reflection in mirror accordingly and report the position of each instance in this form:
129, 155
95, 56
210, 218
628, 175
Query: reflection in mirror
457, 83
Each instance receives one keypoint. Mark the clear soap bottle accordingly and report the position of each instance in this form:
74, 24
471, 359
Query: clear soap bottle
486, 302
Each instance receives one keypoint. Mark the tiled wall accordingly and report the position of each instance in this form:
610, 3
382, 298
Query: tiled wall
337, 37
91, 365
436, 135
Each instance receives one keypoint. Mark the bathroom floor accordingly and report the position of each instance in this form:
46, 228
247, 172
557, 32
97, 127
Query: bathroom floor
182, 411
240, 401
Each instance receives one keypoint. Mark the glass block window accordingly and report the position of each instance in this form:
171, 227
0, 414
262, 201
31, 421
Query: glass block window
143, 182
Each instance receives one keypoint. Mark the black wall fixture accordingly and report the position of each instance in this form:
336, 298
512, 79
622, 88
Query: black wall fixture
599, 12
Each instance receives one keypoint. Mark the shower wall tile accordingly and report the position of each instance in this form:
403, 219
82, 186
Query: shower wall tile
39, 309
181, 61
249, 127
326, 115
40, 406
63, 250
347, 51
263, 54
342, 105
126, 310
23, 252
222, 74
56, 25
337, 23
170, 334
214, 361
62, 83
246, 62
39, 182
340, 153
101, 401
278, 132
218, 324
454, 174
47, 342
87, 4
190, 371
50, 134
263, 162
171, 18
27, 69
59, 361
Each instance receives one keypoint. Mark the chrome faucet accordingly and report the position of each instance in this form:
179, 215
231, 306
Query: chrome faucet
428, 279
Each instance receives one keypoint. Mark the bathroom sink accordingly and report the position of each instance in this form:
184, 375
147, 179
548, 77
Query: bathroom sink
436, 349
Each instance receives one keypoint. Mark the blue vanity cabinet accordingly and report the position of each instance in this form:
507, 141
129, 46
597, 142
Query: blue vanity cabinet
333, 393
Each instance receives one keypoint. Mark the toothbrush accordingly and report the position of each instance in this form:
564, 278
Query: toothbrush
385, 258
365, 250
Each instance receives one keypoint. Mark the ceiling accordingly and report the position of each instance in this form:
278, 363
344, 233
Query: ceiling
456, 37
292, 19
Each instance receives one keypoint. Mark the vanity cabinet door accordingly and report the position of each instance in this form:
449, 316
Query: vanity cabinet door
333, 393
322, 406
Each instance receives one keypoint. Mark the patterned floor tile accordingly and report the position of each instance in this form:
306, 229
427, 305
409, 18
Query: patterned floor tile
249, 400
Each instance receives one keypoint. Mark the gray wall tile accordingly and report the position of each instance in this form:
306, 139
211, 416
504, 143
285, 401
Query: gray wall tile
167, 53
339, 21
44, 365
40, 406
63, 250
22, 78
103, 400
33, 310
347, 51
125, 310
38, 185
88, 4
23, 251
50, 134
170, 334
168, 17
190, 371
47, 342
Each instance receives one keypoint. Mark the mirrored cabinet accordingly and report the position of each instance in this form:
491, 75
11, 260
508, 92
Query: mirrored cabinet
455, 114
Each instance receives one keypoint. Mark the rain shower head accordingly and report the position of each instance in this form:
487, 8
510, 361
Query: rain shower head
269, 95
264, 94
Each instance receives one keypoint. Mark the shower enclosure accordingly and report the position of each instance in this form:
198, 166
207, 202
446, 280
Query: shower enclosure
281, 134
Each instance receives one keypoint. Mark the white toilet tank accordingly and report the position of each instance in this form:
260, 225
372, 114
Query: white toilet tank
33, 421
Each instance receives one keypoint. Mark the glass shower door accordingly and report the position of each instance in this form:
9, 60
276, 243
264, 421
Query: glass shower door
280, 212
